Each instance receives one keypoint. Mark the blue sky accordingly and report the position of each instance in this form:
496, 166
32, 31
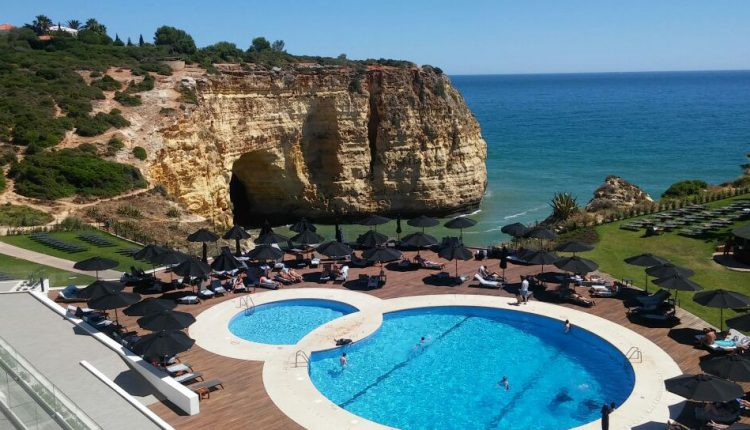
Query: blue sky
462, 37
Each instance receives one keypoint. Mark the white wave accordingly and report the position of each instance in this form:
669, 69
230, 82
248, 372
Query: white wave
474, 213
525, 212
492, 229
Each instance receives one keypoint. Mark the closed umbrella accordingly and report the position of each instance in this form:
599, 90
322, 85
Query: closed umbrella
455, 251
307, 238
721, 299
741, 323
382, 254
419, 240
372, 239
733, 367
678, 283
166, 320
226, 262
100, 288
165, 343
271, 238
149, 306
573, 246
113, 300
339, 234
398, 228
667, 270
334, 249
265, 253
203, 235
237, 233
302, 225
516, 229
646, 260
703, 388
373, 221
460, 222
95, 264
423, 221
576, 265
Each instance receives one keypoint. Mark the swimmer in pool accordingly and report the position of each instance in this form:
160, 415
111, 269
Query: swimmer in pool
567, 326
343, 361
504, 382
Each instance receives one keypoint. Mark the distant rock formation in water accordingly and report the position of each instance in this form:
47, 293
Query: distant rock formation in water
617, 193
323, 142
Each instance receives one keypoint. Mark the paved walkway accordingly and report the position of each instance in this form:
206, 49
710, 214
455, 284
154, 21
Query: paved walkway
48, 260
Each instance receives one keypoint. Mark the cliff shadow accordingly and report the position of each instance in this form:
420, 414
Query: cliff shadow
321, 145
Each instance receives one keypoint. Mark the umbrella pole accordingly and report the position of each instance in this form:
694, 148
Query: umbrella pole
97, 275
721, 319
456, 268
237, 246
647, 282
205, 252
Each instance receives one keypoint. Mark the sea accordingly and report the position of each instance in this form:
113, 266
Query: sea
567, 132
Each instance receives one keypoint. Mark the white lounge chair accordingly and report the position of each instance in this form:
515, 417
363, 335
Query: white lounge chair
189, 300
485, 282
189, 376
343, 274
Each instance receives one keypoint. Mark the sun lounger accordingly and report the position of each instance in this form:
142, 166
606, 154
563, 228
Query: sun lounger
69, 295
604, 290
486, 283
188, 300
359, 262
189, 376
179, 367
343, 274
373, 282
217, 288
204, 388
433, 265
656, 298
660, 313
314, 262
273, 285
326, 274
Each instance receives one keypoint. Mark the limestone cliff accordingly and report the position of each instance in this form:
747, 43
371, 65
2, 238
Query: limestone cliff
617, 193
322, 142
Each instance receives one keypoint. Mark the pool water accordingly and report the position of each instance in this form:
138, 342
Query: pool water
285, 322
556, 380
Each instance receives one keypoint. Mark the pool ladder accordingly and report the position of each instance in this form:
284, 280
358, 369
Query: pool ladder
303, 356
634, 354
247, 303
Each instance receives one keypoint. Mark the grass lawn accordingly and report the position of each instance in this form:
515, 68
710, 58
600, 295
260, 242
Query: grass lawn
616, 244
23, 241
21, 269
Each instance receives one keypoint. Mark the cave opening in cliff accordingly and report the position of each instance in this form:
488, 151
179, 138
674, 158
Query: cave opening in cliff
241, 206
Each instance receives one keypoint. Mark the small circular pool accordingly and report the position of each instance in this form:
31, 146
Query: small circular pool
556, 379
285, 322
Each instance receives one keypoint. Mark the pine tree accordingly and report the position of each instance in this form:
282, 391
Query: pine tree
129, 42
117, 41
140, 40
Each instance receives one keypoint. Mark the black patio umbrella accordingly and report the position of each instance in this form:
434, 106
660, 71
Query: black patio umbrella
166, 320
150, 305
99, 288
733, 367
573, 246
163, 343
516, 229
540, 257
541, 233
455, 251
237, 233
373, 221
95, 264
192, 267
148, 252
302, 225
460, 222
668, 269
646, 260
423, 221
382, 254
721, 299
203, 235
372, 239
419, 240
576, 264
271, 238
226, 262
170, 257
741, 322
113, 300
307, 237
334, 249
265, 253
678, 283
704, 388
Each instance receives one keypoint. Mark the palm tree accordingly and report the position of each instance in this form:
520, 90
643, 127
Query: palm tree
563, 206
41, 24
95, 26
74, 24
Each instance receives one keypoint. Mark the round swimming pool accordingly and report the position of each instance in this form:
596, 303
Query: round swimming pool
555, 379
285, 322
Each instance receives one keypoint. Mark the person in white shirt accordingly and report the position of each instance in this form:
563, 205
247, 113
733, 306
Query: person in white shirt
525, 289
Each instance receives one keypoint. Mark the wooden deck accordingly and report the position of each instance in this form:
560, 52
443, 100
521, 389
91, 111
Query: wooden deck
244, 403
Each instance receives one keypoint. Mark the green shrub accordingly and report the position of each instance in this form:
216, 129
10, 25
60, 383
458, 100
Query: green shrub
139, 153
685, 188
107, 83
99, 123
126, 99
56, 174
167, 111
129, 212
147, 84
89, 148
8, 156
113, 146
188, 95
95, 74
173, 213
22, 216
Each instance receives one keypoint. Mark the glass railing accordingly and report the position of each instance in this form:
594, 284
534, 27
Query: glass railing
29, 400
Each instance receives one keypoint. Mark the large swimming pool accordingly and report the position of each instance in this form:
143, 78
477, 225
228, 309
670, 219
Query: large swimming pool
285, 322
556, 380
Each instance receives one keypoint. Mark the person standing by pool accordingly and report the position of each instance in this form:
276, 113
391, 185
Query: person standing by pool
525, 289
343, 361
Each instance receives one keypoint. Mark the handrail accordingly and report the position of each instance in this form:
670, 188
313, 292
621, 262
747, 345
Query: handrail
248, 303
305, 358
634, 354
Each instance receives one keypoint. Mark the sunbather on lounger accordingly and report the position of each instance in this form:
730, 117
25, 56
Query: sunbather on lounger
487, 275
428, 264
294, 275
579, 299
269, 283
